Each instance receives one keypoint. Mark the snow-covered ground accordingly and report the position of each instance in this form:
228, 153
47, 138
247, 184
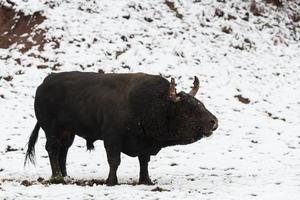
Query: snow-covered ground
254, 154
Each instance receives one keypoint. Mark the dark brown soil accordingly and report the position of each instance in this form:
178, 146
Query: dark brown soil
159, 189
78, 182
9, 149
8, 78
172, 7
26, 183
18, 28
277, 3
242, 99
275, 117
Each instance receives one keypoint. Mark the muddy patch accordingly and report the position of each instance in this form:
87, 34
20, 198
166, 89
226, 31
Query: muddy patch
274, 117
174, 9
159, 189
18, 28
40, 180
242, 99
66, 181
9, 149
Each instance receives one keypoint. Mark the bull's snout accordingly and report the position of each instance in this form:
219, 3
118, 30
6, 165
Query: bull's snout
214, 123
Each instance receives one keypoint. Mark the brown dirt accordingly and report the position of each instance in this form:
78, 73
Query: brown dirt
159, 189
17, 28
242, 99
172, 7
275, 117
8, 78
227, 30
277, 3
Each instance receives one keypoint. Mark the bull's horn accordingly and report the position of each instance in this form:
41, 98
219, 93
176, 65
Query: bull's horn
172, 91
195, 88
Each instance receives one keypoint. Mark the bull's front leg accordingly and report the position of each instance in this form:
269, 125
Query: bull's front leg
144, 175
113, 152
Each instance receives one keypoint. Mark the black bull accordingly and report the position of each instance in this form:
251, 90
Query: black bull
137, 114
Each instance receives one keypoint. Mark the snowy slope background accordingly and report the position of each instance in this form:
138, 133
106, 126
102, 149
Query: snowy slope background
249, 71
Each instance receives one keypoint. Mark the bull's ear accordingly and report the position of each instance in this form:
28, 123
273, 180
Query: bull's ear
172, 91
195, 87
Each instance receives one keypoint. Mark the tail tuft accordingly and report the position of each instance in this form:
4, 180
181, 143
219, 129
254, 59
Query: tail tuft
30, 153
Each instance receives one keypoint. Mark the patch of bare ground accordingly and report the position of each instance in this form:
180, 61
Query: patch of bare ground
9, 149
159, 189
275, 117
277, 3
40, 180
242, 99
18, 28
71, 181
172, 7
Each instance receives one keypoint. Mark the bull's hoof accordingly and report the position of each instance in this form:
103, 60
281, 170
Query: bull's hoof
146, 181
57, 180
111, 181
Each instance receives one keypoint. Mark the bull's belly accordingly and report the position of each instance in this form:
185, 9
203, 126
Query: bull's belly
88, 134
133, 146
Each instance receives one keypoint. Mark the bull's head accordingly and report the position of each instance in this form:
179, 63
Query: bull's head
190, 119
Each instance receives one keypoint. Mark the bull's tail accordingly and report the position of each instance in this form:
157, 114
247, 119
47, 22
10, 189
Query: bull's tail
30, 153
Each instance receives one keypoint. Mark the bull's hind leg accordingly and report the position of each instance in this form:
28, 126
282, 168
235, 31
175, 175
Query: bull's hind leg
53, 145
67, 141
53, 151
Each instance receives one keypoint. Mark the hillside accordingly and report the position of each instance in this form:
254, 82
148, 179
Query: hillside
248, 62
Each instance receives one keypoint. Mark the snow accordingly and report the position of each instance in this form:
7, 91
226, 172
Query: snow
252, 155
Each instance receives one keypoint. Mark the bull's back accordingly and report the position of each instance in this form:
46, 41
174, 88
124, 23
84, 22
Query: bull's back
82, 100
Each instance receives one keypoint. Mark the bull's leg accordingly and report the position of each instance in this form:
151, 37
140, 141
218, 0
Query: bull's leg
144, 175
67, 142
113, 152
62, 160
52, 146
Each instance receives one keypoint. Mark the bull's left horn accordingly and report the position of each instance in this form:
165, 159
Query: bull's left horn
172, 91
195, 88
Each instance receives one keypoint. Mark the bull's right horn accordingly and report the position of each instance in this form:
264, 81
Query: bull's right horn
172, 91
